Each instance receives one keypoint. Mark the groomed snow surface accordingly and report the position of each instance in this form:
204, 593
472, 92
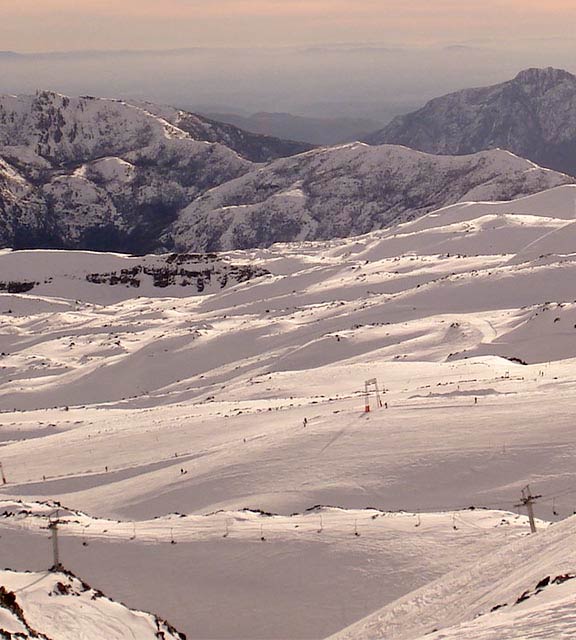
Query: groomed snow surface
213, 462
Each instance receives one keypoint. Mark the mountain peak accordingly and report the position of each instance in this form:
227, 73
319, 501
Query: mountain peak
545, 77
533, 116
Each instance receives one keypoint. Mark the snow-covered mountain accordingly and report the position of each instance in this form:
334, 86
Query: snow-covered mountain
347, 190
105, 174
255, 146
533, 115
59, 606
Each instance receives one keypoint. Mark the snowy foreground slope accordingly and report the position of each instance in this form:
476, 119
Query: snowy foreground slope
525, 590
246, 574
130, 406
58, 606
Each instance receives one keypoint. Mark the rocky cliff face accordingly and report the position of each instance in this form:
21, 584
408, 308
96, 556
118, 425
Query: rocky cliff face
347, 190
533, 115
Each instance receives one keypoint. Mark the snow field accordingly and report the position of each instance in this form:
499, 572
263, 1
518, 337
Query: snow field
132, 408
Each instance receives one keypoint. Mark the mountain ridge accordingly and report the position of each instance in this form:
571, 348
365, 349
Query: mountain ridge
314, 130
347, 190
108, 175
532, 115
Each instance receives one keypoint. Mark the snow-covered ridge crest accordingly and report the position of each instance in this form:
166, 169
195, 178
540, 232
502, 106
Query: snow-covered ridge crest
62, 129
59, 606
106, 278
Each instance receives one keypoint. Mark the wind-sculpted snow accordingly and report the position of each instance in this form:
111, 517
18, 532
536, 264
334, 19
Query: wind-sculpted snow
533, 115
347, 190
196, 439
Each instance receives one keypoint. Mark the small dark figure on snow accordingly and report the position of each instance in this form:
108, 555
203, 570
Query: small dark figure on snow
305, 422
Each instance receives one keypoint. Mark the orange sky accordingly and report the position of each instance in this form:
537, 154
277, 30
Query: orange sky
40, 25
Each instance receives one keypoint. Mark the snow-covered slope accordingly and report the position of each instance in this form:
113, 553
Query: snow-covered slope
241, 573
347, 190
550, 615
66, 129
533, 115
105, 278
525, 590
130, 404
253, 146
58, 606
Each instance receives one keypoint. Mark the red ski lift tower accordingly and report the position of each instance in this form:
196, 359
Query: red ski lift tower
371, 386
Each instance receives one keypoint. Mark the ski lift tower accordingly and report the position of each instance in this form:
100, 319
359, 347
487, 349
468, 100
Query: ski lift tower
371, 386
53, 528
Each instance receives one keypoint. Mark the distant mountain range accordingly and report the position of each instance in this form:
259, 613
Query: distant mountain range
347, 190
533, 115
320, 131
135, 177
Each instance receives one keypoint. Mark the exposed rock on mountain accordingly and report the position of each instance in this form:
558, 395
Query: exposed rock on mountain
250, 144
59, 606
533, 115
117, 277
347, 190
105, 174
